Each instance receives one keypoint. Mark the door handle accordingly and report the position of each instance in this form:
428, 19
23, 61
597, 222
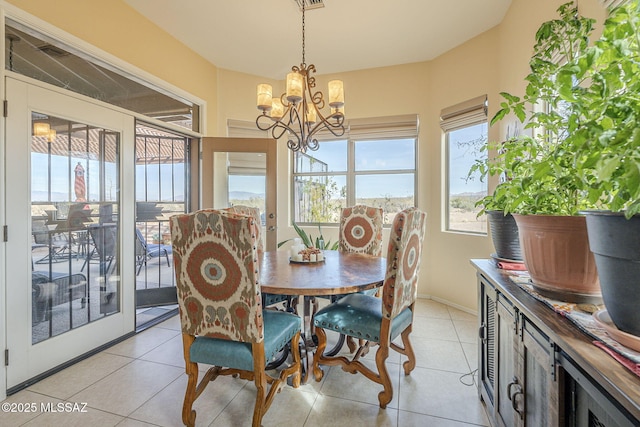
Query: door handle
514, 402
272, 228
482, 332
512, 397
513, 382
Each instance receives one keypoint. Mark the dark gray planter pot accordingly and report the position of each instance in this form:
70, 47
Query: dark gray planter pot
504, 234
615, 243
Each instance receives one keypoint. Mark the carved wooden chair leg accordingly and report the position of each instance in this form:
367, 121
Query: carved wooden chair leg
188, 414
322, 343
351, 343
261, 399
410, 364
385, 396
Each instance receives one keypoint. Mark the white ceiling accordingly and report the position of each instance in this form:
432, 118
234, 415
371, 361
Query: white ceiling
264, 37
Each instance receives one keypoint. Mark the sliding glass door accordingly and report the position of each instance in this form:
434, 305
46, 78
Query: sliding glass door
162, 190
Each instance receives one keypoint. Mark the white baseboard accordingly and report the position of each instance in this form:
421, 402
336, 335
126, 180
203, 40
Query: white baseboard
449, 303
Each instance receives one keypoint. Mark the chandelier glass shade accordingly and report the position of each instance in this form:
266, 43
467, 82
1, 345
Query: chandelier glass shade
301, 110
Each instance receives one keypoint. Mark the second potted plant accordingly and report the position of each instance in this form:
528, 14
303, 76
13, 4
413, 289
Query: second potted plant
545, 189
606, 147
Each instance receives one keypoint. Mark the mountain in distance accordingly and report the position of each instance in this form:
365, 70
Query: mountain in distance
245, 195
478, 195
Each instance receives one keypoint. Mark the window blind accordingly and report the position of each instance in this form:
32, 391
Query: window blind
612, 3
466, 113
244, 129
404, 126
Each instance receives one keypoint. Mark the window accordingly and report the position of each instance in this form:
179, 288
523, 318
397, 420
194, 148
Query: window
375, 165
465, 127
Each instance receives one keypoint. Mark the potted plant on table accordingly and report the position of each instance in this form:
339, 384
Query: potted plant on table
606, 145
308, 240
545, 189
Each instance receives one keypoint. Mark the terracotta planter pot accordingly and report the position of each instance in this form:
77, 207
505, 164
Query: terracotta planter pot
504, 235
556, 253
616, 246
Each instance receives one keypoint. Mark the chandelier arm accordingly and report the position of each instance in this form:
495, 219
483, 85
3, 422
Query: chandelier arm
313, 144
337, 131
294, 117
339, 120
266, 126
272, 127
317, 99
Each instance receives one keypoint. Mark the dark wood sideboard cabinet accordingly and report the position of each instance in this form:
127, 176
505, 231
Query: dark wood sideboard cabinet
536, 368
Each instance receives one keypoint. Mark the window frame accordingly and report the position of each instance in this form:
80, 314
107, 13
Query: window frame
463, 115
447, 195
350, 174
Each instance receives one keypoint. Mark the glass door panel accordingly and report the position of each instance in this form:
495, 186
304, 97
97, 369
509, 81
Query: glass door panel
74, 222
162, 190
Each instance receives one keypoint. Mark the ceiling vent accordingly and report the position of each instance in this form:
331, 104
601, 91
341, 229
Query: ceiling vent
310, 4
51, 50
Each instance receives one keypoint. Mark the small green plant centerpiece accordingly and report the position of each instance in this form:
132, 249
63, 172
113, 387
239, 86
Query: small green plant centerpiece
309, 241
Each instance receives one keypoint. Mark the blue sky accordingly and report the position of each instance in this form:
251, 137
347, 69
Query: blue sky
462, 157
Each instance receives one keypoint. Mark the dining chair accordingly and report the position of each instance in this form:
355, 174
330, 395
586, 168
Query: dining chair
221, 316
360, 232
379, 320
255, 214
145, 251
267, 299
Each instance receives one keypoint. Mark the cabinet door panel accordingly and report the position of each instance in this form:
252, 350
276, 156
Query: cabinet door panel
487, 343
506, 356
540, 400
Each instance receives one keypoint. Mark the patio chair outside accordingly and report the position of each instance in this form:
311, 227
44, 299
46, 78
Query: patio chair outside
145, 251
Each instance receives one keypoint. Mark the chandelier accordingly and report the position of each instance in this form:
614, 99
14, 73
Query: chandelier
298, 111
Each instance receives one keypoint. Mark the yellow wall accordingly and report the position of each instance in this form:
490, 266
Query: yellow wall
492, 62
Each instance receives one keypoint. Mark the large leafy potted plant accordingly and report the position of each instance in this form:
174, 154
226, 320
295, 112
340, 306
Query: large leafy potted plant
603, 89
546, 190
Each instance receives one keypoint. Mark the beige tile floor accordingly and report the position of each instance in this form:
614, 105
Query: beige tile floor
141, 381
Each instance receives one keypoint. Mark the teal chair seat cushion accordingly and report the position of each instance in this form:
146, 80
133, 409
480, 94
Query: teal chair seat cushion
360, 316
279, 328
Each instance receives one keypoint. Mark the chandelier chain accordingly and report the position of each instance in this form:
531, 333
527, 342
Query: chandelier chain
303, 8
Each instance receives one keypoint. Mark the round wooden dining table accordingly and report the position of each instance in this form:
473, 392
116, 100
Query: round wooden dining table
339, 273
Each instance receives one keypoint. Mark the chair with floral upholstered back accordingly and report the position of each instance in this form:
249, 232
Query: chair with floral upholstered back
361, 230
255, 214
221, 314
267, 299
378, 320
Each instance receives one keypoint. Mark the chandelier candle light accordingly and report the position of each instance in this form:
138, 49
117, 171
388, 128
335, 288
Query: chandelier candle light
298, 111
